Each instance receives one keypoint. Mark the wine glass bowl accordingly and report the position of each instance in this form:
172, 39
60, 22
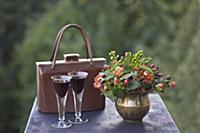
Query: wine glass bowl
61, 85
77, 85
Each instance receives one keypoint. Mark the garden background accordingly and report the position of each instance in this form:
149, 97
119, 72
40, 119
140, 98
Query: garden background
167, 30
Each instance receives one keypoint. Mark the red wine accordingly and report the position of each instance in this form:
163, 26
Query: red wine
77, 81
61, 88
77, 84
61, 84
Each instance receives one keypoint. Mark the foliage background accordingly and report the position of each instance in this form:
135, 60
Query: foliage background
166, 30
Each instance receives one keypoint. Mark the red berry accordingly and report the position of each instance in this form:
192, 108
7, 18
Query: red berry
120, 69
126, 82
173, 84
146, 73
161, 85
116, 80
152, 78
153, 69
148, 65
153, 65
148, 77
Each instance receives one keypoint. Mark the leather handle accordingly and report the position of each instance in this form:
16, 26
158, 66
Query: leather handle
60, 36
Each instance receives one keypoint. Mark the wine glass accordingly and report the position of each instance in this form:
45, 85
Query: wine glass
77, 84
61, 84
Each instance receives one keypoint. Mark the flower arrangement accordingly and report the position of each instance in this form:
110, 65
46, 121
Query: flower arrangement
131, 72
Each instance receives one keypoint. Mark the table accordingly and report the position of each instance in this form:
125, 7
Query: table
158, 120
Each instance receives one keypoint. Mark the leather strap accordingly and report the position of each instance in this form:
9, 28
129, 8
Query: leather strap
60, 36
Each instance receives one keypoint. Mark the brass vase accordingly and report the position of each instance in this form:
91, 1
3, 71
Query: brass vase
132, 107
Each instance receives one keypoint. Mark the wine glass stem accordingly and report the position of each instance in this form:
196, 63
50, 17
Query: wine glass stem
61, 101
78, 103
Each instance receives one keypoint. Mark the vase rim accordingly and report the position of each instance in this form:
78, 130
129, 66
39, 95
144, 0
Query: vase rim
138, 92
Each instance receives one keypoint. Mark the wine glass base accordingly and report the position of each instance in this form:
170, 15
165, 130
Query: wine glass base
78, 121
61, 125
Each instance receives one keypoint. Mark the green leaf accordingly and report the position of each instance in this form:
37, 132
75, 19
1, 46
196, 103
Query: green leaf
118, 92
159, 90
133, 86
126, 76
105, 72
146, 68
108, 77
109, 94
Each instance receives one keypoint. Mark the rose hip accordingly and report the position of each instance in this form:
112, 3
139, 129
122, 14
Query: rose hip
173, 84
116, 80
126, 82
161, 85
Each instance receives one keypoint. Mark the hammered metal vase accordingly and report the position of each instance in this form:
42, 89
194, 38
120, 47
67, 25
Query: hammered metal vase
132, 107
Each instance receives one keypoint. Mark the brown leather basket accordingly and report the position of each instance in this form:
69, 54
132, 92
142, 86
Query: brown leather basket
92, 100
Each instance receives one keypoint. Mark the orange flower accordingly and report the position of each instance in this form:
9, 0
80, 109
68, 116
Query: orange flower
98, 78
97, 85
118, 70
97, 81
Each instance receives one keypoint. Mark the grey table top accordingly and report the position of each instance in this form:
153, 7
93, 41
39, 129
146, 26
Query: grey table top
158, 120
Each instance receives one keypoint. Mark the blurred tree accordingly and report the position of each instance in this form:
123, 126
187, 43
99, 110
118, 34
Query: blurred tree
14, 18
166, 30
185, 56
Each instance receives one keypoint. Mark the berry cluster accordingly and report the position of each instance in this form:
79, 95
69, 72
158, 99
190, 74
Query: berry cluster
131, 72
162, 80
153, 78
144, 75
